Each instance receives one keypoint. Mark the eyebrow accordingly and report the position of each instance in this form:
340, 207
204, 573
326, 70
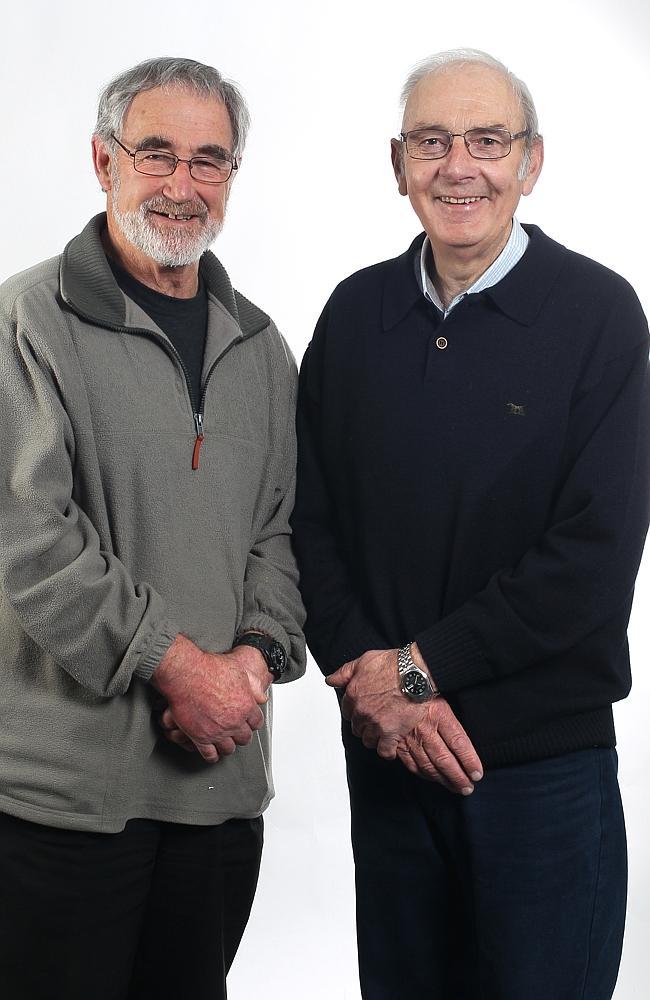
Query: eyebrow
443, 128
162, 142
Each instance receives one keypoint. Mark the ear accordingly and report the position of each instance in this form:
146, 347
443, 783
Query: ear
102, 163
535, 167
397, 158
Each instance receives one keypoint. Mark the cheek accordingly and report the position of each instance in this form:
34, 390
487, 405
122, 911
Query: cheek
417, 182
217, 205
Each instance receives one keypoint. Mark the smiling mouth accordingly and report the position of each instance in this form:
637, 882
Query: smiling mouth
176, 218
447, 200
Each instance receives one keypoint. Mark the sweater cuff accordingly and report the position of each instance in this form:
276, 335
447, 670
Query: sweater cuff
453, 654
156, 649
294, 646
259, 622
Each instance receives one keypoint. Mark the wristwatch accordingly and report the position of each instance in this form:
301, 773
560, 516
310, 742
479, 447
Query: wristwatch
414, 682
273, 652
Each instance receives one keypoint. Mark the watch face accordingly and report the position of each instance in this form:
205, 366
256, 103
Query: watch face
278, 656
415, 684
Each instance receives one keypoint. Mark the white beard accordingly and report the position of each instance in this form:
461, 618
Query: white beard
171, 248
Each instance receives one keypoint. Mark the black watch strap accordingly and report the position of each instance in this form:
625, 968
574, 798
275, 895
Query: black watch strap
273, 651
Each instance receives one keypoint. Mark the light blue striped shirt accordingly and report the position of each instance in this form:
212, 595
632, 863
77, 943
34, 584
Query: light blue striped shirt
511, 254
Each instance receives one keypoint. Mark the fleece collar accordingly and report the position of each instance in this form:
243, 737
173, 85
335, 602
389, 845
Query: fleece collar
90, 289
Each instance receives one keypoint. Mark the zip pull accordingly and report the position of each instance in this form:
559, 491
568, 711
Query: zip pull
198, 423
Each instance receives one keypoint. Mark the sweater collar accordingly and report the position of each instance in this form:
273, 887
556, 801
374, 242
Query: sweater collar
520, 294
89, 287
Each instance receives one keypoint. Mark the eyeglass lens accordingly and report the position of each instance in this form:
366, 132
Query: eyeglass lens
482, 143
158, 164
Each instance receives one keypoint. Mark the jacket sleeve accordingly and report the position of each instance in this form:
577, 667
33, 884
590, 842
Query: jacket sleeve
74, 600
337, 627
272, 602
582, 571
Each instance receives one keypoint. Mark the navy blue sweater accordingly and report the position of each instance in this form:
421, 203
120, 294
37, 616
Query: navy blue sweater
485, 494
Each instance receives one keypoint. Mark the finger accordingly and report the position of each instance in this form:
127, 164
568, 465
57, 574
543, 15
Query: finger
441, 761
387, 747
255, 720
341, 676
356, 728
460, 746
178, 737
424, 769
362, 726
407, 760
225, 745
240, 737
167, 720
208, 751
369, 737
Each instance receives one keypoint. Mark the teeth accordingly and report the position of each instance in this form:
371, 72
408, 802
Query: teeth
184, 218
459, 201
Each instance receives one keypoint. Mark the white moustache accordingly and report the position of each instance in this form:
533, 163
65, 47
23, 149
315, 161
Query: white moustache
165, 207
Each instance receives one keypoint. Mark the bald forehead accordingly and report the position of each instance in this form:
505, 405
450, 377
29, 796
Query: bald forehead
458, 97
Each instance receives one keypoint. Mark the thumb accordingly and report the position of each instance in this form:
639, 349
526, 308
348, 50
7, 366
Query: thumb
257, 690
342, 676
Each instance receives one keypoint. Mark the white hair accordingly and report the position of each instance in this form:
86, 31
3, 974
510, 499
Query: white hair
168, 72
462, 57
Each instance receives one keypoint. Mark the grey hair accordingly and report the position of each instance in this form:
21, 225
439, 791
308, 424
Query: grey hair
168, 72
460, 57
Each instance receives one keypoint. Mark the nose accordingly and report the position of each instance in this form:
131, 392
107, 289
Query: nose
179, 186
458, 163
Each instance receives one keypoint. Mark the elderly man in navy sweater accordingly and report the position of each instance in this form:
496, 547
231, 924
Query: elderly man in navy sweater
472, 505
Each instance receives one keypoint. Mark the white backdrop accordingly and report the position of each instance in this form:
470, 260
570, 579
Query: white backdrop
315, 200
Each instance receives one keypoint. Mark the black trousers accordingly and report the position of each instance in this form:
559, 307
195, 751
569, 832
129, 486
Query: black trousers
516, 892
156, 910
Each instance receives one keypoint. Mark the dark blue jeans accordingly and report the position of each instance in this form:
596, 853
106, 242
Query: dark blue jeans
515, 893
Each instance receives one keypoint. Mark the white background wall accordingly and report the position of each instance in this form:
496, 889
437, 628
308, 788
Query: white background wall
315, 200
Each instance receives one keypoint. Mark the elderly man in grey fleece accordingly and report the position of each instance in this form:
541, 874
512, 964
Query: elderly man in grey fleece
148, 593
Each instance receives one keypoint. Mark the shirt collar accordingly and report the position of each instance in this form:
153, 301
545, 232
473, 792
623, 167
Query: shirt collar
520, 294
511, 254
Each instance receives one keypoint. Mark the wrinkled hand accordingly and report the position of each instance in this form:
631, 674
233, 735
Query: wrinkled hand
440, 750
213, 698
427, 737
373, 701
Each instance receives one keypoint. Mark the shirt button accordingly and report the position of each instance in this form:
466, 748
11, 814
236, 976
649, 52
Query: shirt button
441, 343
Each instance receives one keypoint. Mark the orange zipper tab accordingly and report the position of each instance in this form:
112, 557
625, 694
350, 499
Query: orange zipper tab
198, 422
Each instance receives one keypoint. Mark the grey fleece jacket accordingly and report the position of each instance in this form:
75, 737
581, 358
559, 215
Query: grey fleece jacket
111, 543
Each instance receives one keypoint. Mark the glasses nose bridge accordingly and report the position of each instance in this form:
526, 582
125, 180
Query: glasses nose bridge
176, 178
463, 146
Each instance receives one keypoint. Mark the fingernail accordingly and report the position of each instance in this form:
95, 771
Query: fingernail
476, 775
467, 790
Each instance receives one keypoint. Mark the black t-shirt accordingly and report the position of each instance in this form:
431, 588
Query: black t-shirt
184, 321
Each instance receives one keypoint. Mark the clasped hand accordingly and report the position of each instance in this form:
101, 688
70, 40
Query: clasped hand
213, 699
426, 737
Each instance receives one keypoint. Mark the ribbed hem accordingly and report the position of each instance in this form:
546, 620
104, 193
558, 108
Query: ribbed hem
263, 623
563, 735
452, 654
156, 649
